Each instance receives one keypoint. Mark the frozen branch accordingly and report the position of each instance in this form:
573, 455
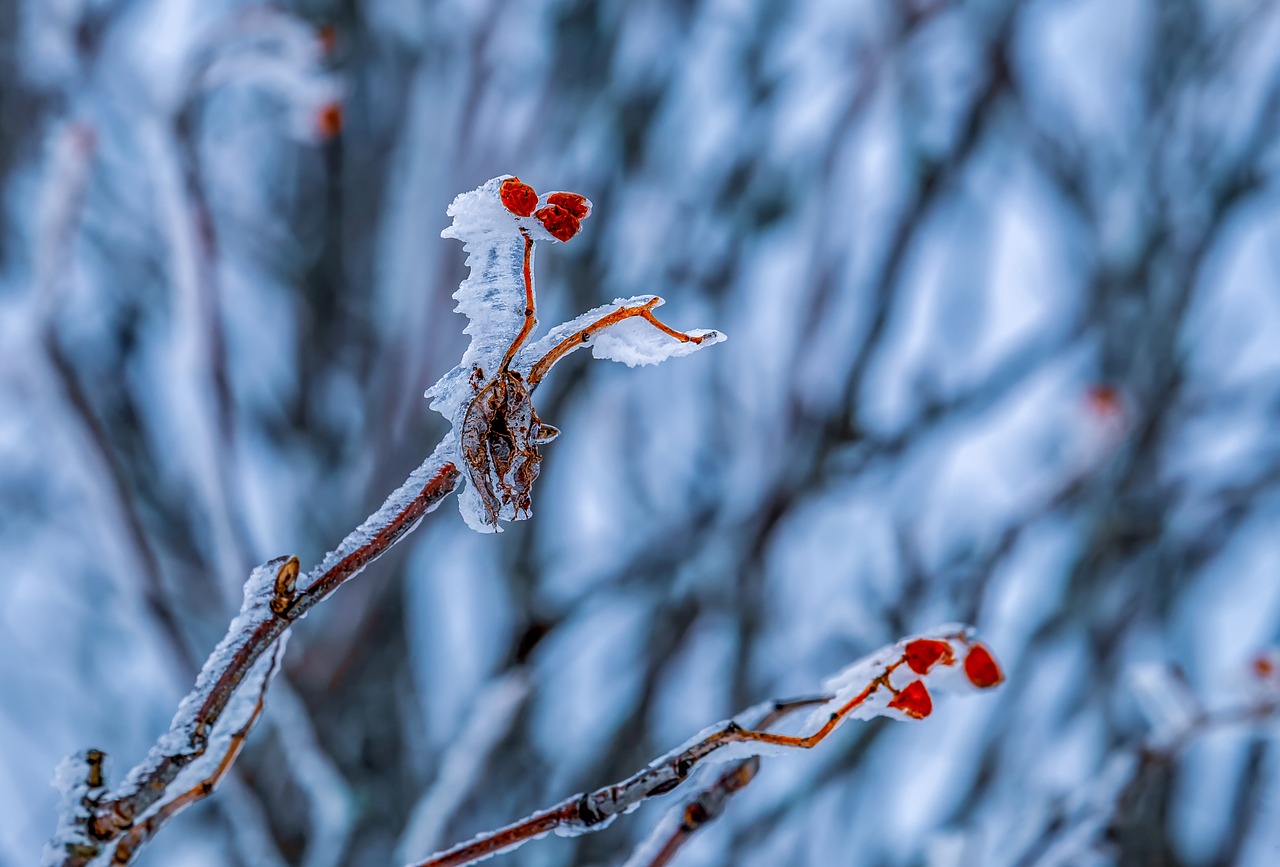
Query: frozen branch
683, 822
94, 817
890, 682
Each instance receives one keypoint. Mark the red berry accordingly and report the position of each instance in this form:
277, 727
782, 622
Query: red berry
923, 653
558, 221
913, 700
1264, 666
329, 120
571, 202
518, 197
981, 668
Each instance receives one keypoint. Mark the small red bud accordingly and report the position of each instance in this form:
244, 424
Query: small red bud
327, 36
1104, 401
571, 202
924, 653
559, 222
518, 197
913, 700
981, 668
329, 120
1264, 666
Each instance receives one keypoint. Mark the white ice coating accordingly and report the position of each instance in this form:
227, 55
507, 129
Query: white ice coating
843, 687
851, 681
632, 341
493, 298
392, 506
70, 778
254, 611
235, 715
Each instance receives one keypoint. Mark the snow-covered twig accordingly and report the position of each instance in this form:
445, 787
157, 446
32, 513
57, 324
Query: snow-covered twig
891, 682
273, 603
143, 831
684, 821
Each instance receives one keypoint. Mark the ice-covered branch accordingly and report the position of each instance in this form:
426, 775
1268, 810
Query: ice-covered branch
488, 396
93, 817
683, 822
896, 681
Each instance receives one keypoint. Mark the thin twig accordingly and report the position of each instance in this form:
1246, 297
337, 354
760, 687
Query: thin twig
142, 832
708, 804
952, 650
585, 813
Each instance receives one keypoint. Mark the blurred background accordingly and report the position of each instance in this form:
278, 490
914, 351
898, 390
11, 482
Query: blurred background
1000, 281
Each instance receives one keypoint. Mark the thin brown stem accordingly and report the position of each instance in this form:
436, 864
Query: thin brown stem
592, 811
705, 807
578, 338
530, 307
709, 803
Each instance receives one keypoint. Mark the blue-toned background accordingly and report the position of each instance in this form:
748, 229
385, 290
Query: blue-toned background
1002, 289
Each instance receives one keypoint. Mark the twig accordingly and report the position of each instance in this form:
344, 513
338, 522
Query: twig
708, 804
142, 832
585, 813
879, 695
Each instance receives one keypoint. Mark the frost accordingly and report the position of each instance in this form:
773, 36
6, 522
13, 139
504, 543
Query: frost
632, 341
487, 397
72, 780
183, 737
858, 679
392, 506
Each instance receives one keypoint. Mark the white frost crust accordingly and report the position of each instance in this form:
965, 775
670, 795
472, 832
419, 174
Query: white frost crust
849, 682
473, 510
71, 779
254, 611
71, 774
492, 297
395, 503
632, 341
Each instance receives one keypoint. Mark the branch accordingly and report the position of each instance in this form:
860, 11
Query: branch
94, 817
866, 689
142, 832
682, 823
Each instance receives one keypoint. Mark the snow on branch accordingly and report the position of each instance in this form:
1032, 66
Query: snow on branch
495, 436
214, 719
488, 396
897, 681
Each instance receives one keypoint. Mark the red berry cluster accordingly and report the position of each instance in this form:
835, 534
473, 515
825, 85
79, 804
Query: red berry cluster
562, 216
923, 654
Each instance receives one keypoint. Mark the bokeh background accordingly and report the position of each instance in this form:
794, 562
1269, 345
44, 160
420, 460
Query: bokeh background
1001, 285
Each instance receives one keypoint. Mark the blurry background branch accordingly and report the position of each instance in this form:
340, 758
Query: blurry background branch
1001, 286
